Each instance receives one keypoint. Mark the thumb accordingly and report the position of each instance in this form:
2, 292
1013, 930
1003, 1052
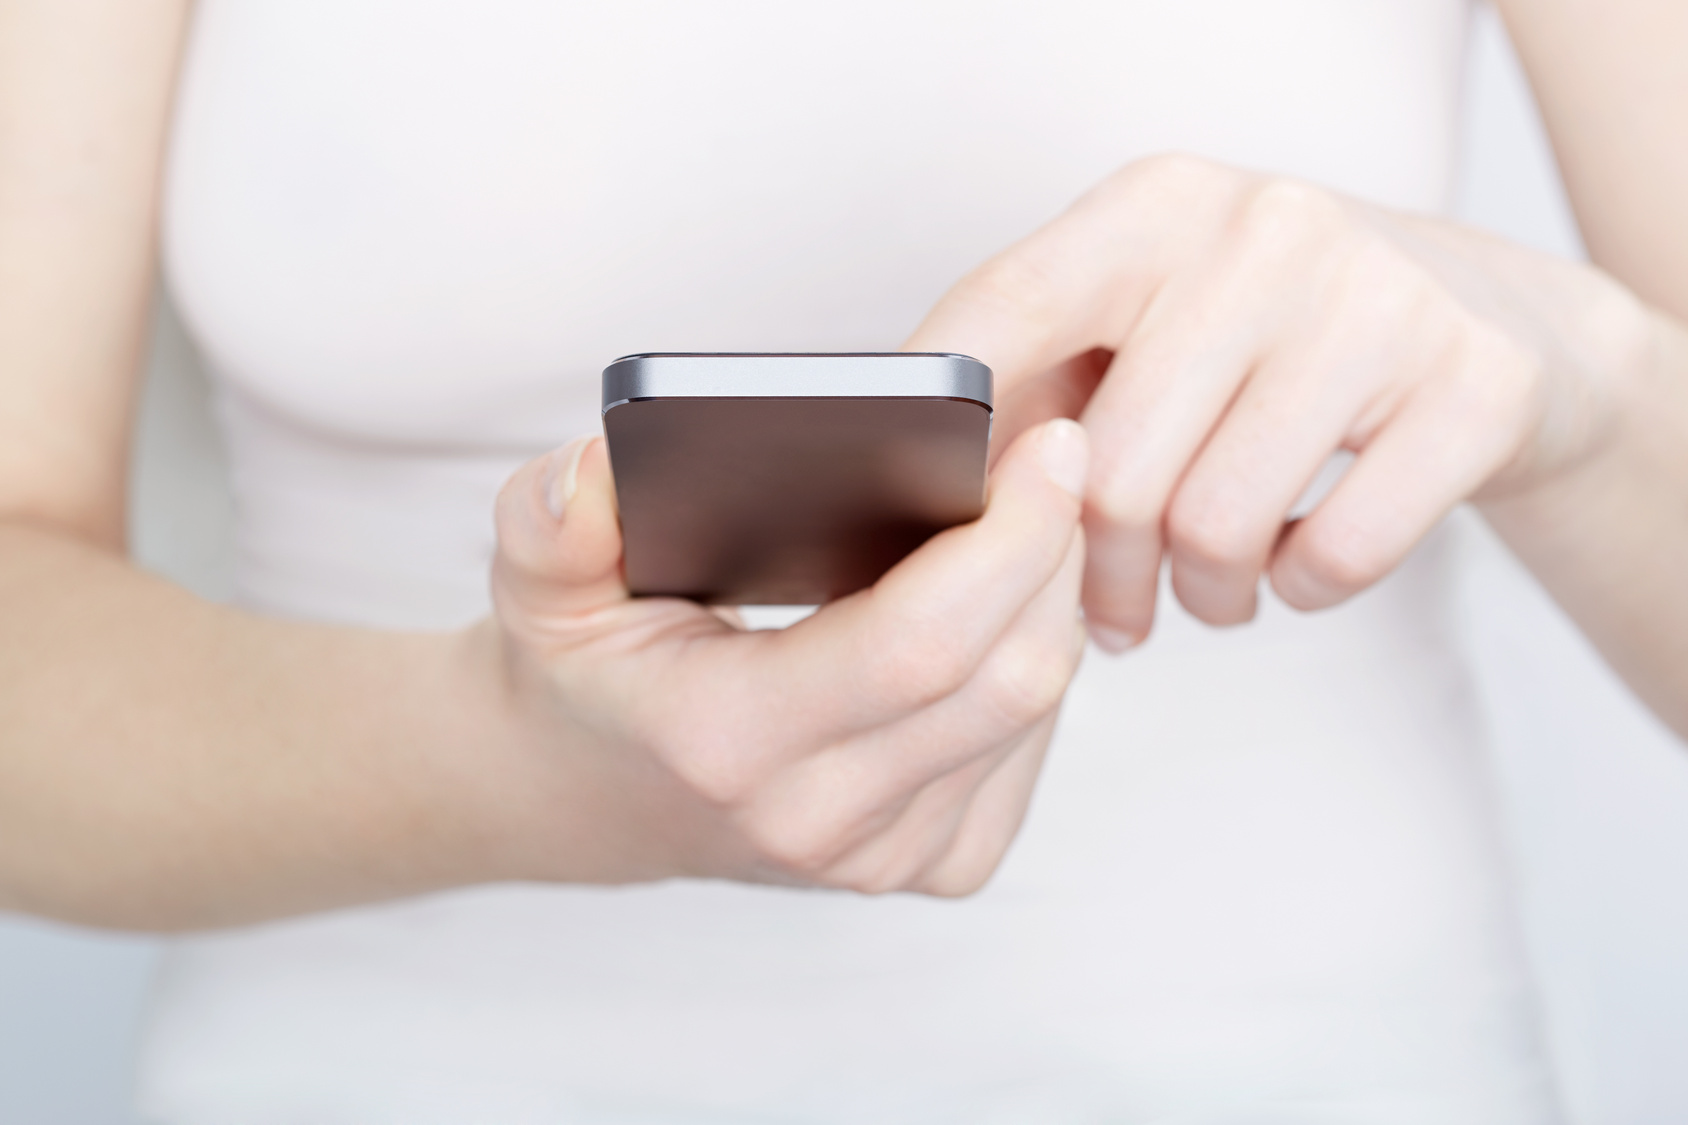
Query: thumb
559, 541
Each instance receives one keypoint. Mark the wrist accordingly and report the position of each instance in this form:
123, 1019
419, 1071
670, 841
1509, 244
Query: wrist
1610, 541
495, 777
1635, 446
535, 793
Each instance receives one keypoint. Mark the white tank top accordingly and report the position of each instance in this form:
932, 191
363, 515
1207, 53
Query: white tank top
1259, 882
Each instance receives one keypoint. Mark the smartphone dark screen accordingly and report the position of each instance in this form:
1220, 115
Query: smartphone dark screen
777, 500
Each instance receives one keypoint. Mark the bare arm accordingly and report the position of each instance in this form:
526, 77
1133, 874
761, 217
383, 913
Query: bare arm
1612, 84
84, 103
1611, 540
168, 763
164, 762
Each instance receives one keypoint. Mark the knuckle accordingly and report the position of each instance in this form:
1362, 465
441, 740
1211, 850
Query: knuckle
1120, 507
721, 770
1163, 172
1181, 191
1027, 678
1342, 558
1279, 212
1211, 534
920, 664
1496, 382
789, 845
825, 842
1020, 283
1377, 286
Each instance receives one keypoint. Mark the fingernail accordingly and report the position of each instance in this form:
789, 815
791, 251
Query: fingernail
1115, 641
558, 487
1064, 454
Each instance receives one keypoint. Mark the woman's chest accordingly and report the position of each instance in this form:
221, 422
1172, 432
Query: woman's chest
435, 221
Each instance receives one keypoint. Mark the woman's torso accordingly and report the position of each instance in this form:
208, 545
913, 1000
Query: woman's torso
1258, 876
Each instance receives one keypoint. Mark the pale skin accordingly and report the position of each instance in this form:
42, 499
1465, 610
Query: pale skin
166, 763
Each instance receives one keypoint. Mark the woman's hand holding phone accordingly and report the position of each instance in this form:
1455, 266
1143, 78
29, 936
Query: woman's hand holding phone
889, 742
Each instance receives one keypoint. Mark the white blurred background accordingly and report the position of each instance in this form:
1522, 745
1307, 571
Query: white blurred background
1595, 793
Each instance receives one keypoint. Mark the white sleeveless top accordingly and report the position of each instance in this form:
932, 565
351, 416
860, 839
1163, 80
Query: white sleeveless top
1259, 882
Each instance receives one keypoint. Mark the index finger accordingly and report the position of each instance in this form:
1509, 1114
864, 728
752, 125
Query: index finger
1081, 281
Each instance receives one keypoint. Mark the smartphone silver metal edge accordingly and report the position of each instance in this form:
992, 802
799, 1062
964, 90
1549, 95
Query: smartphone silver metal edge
796, 375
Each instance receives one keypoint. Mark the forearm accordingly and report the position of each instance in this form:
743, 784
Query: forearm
1613, 90
85, 94
168, 763
1609, 540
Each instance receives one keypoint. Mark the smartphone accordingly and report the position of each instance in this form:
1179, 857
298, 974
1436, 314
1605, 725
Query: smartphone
765, 479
